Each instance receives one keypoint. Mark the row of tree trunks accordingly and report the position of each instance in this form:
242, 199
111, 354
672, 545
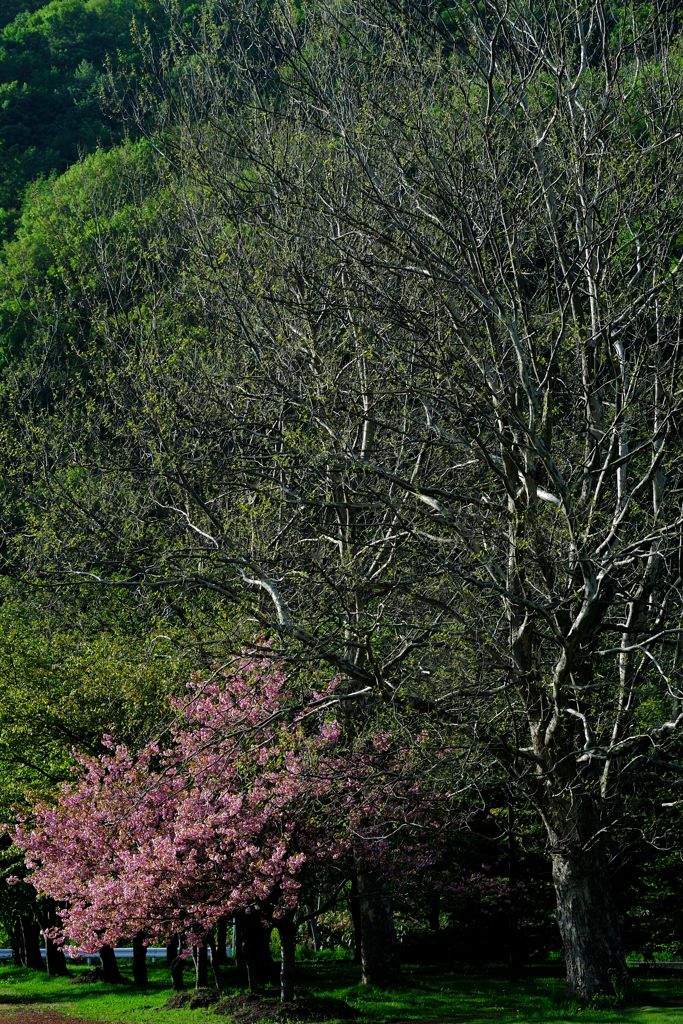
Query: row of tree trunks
25, 941
376, 945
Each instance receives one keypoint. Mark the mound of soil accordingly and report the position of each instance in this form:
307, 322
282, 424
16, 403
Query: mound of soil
251, 1008
198, 999
93, 975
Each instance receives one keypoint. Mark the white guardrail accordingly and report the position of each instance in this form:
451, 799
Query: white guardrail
120, 952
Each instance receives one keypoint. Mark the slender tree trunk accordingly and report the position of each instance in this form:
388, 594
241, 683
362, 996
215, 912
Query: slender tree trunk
201, 966
379, 955
140, 961
221, 942
287, 933
55, 959
313, 927
434, 912
31, 942
110, 967
215, 963
354, 903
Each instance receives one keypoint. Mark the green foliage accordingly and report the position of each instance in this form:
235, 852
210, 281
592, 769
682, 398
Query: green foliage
651, 890
11, 8
109, 196
60, 691
52, 60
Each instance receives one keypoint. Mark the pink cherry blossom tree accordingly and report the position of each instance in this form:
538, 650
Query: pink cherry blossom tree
244, 800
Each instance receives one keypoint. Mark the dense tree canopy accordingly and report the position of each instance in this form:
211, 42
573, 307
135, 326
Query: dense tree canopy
53, 60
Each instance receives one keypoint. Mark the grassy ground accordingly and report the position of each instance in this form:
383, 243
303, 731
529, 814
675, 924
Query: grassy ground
426, 994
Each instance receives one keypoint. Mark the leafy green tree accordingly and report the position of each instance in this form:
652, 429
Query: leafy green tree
11, 8
110, 198
60, 692
52, 61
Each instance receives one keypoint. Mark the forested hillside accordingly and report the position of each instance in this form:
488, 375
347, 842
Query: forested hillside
340, 413
52, 59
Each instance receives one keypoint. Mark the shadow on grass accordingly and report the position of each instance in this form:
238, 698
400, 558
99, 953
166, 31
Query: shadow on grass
21, 986
429, 995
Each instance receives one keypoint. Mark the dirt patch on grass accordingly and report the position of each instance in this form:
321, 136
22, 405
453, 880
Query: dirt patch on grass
17, 1014
252, 1008
197, 999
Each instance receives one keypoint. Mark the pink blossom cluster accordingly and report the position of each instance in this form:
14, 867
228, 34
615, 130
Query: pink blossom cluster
229, 814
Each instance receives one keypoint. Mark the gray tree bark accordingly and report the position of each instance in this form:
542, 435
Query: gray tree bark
287, 933
379, 953
588, 919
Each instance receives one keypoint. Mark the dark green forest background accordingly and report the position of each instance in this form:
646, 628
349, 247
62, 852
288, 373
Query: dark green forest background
52, 58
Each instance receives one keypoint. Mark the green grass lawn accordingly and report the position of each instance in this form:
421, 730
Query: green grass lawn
427, 993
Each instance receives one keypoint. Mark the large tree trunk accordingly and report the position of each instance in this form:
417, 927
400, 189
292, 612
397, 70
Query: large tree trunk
110, 967
55, 960
253, 954
379, 953
140, 961
587, 913
175, 963
589, 924
176, 967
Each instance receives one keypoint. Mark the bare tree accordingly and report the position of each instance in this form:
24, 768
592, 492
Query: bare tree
411, 402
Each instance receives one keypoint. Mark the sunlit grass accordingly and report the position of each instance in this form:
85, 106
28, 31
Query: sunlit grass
427, 994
